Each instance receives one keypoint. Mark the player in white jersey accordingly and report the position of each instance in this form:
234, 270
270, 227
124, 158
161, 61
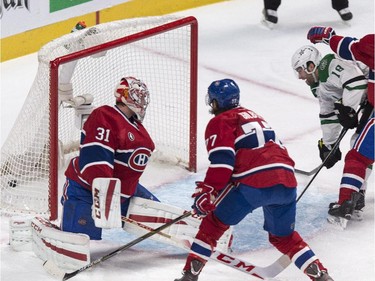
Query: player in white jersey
359, 160
340, 86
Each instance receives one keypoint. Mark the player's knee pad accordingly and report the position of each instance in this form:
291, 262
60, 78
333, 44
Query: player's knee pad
77, 218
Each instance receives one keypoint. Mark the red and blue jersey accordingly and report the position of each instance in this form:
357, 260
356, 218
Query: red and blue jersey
357, 50
362, 153
243, 148
112, 145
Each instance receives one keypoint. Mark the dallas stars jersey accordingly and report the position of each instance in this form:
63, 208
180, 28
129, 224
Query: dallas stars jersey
112, 145
339, 80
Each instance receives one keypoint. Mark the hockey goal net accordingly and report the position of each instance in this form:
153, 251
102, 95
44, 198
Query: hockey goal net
161, 51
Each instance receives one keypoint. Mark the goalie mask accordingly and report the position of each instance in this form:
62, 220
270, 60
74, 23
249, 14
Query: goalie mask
303, 56
134, 94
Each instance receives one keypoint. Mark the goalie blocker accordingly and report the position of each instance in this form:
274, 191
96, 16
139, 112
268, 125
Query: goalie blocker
106, 210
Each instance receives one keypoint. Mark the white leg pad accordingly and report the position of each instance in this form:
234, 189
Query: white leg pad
20, 236
155, 214
67, 250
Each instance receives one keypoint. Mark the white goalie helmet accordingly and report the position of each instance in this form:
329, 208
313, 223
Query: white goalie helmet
303, 56
134, 93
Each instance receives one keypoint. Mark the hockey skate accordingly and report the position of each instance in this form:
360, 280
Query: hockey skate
358, 210
345, 14
316, 272
269, 19
340, 214
192, 274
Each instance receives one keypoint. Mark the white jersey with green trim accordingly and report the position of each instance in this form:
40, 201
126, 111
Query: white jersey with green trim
339, 81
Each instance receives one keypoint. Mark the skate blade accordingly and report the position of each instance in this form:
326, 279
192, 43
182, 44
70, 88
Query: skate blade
347, 22
338, 221
267, 24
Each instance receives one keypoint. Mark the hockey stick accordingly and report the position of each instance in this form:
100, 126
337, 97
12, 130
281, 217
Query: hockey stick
343, 131
54, 270
269, 271
302, 172
335, 146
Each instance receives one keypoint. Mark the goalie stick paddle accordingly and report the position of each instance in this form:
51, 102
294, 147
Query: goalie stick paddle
246, 267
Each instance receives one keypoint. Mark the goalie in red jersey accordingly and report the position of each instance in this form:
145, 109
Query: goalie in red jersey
360, 158
245, 152
114, 144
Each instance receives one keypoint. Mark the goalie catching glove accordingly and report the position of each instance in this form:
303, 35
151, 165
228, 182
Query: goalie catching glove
320, 34
324, 150
204, 198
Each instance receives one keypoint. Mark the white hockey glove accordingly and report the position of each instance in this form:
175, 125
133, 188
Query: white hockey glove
106, 210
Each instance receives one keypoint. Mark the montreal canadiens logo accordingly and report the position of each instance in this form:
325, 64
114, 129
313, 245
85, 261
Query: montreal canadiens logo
131, 136
139, 158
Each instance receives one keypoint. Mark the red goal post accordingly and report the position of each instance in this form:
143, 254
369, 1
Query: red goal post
161, 51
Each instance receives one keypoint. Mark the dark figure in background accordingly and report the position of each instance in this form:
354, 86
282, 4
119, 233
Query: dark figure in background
271, 6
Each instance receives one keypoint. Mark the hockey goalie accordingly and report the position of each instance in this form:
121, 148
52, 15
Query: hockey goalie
71, 251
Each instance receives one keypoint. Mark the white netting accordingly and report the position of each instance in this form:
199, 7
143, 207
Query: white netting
162, 61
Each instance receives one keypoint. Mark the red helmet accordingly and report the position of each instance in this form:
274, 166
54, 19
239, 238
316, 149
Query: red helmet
134, 94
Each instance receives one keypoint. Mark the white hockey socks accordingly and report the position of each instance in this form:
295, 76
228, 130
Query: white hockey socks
106, 210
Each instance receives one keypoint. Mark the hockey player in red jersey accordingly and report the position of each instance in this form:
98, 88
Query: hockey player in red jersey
244, 151
361, 156
114, 144
348, 48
